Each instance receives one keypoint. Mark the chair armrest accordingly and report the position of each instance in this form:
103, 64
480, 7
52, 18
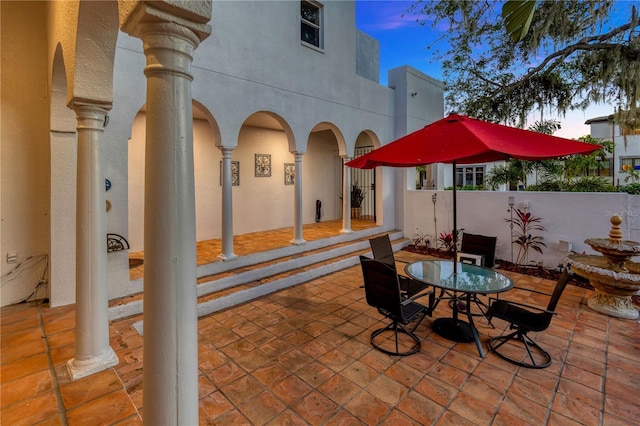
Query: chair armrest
523, 305
530, 290
432, 299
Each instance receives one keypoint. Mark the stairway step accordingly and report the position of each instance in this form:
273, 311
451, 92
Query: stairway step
230, 286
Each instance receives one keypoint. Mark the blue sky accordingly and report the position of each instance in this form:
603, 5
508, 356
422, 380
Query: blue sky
405, 42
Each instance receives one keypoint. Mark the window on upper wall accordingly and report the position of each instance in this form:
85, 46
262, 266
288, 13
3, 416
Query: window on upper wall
470, 175
311, 23
629, 163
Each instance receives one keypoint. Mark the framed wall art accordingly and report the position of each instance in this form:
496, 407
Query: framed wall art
263, 165
289, 173
235, 173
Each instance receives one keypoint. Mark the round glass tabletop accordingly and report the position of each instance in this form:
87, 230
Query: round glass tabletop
469, 278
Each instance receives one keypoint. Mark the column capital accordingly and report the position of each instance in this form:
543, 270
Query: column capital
80, 104
226, 151
90, 114
192, 15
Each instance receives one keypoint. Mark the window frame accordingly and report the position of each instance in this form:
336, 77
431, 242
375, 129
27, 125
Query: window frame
460, 170
635, 161
319, 27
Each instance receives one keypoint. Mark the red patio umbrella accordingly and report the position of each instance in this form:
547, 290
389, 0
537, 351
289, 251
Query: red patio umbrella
458, 139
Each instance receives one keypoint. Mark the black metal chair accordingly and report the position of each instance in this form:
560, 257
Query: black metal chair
382, 290
479, 245
523, 319
383, 251
477, 250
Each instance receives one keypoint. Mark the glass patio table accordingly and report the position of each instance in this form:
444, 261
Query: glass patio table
469, 280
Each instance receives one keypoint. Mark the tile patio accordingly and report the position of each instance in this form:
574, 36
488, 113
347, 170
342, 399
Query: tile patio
302, 356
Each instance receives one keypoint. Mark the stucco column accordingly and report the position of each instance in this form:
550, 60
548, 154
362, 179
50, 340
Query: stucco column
93, 352
170, 320
227, 207
170, 36
346, 197
297, 201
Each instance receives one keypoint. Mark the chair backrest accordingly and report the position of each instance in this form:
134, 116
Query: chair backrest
383, 251
557, 291
381, 287
480, 245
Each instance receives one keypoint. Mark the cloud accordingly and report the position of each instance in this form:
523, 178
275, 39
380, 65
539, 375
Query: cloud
386, 15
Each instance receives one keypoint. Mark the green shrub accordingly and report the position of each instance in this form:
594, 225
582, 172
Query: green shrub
467, 188
632, 188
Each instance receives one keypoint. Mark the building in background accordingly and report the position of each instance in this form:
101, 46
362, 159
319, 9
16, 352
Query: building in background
626, 148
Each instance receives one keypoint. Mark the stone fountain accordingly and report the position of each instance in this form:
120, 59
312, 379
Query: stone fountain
613, 275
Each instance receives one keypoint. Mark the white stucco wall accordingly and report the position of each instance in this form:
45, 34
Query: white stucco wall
25, 151
571, 217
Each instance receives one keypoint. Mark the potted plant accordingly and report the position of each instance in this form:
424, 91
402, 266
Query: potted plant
357, 195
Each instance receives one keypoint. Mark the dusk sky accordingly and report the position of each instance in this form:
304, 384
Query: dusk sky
405, 42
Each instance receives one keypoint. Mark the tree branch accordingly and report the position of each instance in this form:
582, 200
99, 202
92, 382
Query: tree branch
558, 57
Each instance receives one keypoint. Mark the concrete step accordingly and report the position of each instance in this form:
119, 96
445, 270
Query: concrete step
225, 284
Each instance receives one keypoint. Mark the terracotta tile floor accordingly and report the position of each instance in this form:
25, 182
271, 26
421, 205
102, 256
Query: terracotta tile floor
302, 356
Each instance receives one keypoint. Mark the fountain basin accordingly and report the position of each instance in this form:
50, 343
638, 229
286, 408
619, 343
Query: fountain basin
613, 288
617, 252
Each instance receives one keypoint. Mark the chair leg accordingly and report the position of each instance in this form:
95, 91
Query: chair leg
422, 317
396, 328
483, 309
529, 346
441, 297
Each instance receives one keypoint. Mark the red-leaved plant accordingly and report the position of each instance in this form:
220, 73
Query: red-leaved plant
446, 240
526, 224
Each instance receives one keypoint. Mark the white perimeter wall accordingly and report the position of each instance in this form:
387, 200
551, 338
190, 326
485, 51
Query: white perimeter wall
567, 216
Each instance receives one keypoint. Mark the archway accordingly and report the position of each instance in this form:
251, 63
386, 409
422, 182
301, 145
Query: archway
364, 182
63, 161
207, 159
263, 157
323, 173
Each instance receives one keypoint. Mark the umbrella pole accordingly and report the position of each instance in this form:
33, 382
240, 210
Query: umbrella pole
455, 221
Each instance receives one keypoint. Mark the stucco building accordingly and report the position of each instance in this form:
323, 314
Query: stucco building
170, 122
260, 91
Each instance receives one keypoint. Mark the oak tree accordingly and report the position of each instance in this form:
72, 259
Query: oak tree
544, 55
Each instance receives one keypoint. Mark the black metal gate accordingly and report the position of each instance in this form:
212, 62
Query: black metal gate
365, 179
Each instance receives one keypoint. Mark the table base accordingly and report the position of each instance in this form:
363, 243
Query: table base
452, 329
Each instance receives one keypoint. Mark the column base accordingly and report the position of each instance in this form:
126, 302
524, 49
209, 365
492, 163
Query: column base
346, 231
78, 369
298, 242
227, 257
